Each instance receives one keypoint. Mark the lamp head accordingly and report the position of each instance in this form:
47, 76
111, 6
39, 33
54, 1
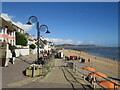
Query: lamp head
47, 31
29, 23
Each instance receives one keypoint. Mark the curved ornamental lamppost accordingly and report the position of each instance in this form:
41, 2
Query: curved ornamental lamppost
33, 19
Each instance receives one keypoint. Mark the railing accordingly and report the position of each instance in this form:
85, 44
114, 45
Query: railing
47, 66
76, 67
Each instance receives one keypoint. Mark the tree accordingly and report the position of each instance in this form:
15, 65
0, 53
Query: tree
21, 39
32, 46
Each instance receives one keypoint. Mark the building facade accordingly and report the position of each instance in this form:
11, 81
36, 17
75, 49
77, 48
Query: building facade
8, 31
30, 38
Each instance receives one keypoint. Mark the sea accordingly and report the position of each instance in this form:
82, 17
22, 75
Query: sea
105, 52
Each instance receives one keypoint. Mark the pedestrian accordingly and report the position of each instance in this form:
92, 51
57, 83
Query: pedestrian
89, 60
43, 60
13, 56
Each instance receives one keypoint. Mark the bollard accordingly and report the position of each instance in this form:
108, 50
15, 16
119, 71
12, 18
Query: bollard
75, 68
33, 71
94, 81
115, 87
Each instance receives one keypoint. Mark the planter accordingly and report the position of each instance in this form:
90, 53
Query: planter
37, 70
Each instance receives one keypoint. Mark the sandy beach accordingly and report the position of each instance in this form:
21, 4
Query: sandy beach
106, 66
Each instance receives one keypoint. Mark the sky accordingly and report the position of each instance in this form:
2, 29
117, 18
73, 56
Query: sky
69, 23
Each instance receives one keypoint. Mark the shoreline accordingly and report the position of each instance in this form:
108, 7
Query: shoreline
93, 56
96, 55
107, 66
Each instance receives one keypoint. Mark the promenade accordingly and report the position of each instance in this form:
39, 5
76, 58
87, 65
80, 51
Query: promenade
58, 77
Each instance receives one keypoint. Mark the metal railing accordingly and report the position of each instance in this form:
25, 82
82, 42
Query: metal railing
47, 66
76, 67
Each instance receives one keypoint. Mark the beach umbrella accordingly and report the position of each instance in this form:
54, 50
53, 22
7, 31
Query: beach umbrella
89, 69
99, 73
108, 84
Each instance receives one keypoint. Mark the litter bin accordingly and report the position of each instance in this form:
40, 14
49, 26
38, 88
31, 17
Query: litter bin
83, 60
70, 65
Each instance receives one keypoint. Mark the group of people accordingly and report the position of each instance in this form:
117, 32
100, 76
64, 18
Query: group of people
91, 79
80, 58
45, 56
12, 59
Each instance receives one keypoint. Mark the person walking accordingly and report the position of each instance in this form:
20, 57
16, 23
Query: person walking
13, 56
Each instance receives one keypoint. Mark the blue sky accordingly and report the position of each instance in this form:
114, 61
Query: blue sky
75, 23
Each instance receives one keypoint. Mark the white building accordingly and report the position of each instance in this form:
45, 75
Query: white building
31, 39
8, 31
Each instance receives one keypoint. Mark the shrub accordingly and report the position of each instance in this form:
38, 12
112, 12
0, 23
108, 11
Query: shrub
32, 46
21, 39
12, 47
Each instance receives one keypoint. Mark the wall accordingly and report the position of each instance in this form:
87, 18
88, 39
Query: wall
18, 52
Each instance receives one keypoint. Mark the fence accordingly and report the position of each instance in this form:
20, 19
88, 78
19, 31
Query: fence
49, 63
80, 71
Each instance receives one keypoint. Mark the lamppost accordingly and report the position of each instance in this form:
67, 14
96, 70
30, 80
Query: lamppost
33, 19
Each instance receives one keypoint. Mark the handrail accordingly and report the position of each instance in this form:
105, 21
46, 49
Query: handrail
96, 74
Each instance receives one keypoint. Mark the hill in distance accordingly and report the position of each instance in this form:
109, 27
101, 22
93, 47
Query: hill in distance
72, 45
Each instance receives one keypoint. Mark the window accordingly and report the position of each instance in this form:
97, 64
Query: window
10, 33
3, 30
11, 41
0, 29
18, 30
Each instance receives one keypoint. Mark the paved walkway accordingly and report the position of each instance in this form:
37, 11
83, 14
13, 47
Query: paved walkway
54, 79
13, 76
14, 73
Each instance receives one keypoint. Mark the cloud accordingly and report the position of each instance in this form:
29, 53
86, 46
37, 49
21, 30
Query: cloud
79, 42
25, 27
69, 41
63, 41
91, 42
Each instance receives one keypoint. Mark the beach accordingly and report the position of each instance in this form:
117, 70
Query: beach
104, 65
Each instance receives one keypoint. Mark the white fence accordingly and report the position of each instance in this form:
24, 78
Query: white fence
19, 52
